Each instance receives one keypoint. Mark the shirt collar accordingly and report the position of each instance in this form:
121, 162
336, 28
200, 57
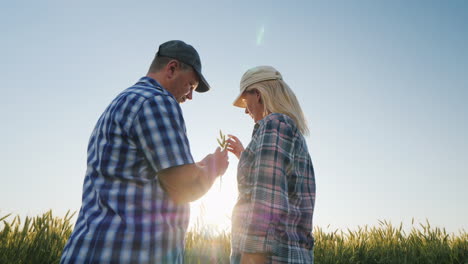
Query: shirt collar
150, 82
281, 117
262, 121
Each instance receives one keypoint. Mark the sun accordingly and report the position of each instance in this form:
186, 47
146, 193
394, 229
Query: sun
213, 210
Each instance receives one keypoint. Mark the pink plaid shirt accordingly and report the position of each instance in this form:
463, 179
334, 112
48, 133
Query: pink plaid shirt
276, 183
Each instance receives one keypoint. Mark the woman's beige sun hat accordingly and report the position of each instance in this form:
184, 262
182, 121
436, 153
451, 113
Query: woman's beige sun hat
255, 75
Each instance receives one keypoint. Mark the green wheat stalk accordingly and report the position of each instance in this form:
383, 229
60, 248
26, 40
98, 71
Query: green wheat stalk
223, 144
222, 140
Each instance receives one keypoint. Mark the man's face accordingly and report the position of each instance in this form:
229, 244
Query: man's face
185, 82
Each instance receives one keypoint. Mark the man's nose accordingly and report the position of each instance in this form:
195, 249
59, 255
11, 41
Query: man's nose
189, 95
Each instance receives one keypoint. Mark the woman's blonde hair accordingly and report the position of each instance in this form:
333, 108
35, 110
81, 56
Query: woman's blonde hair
277, 97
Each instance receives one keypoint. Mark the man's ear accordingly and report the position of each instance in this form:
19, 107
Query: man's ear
171, 68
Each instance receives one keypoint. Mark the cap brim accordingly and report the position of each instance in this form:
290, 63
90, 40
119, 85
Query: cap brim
203, 85
239, 102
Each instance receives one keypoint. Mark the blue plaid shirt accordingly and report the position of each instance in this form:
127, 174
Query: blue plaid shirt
276, 182
126, 217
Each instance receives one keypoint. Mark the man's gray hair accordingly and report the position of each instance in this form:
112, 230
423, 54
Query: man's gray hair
160, 62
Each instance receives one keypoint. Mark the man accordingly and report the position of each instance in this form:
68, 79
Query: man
141, 174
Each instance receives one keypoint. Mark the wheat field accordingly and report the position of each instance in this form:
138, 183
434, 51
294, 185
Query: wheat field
41, 239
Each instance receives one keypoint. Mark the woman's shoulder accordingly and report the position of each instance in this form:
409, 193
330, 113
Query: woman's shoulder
278, 122
277, 118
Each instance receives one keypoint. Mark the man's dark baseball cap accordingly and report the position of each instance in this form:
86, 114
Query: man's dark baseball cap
185, 53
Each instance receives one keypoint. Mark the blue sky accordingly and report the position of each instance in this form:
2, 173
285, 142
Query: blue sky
383, 85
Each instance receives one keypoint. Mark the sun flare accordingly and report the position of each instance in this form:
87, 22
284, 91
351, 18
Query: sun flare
260, 34
213, 211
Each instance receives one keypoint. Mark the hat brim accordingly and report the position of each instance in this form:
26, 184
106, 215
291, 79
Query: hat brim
203, 85
239, 102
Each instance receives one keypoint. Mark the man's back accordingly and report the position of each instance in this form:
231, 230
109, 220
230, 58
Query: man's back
126, 217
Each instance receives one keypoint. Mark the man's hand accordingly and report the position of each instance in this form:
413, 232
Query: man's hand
215, 164
189, 182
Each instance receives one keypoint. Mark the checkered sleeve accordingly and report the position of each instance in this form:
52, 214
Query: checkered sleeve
160, 131
269, 198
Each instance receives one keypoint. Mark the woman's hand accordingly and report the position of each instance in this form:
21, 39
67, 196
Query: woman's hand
234, 145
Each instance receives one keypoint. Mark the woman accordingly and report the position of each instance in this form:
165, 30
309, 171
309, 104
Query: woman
272, 219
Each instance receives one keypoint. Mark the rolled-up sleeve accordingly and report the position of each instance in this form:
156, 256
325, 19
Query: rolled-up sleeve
160, 131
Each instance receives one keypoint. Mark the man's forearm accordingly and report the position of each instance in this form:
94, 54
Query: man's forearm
186, 183
199, 185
